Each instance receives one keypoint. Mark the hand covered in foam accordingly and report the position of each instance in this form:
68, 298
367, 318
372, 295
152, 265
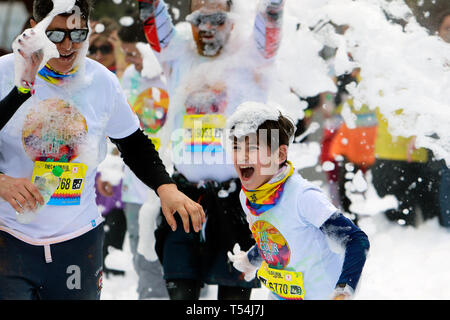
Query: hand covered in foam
240, 262
28, 58
32, 49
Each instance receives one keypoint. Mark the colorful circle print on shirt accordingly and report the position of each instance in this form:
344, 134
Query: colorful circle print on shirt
151, 107
272, 244
53, 131
207, 100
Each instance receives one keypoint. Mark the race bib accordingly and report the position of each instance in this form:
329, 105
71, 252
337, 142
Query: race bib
203, 133
71, 181
286, 284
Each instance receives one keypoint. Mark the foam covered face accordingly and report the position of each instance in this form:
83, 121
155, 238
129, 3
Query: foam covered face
211, 28
254, 163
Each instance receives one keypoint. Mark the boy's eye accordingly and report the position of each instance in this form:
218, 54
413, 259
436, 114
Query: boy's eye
255, 147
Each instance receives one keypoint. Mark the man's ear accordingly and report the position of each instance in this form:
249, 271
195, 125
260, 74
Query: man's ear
282, 153
32, 22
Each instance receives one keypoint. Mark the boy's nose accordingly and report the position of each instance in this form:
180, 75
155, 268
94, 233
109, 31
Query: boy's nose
242, 157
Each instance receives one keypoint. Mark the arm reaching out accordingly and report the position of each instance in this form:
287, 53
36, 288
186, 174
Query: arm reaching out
158, 26
267, 30
139, 153
356, 245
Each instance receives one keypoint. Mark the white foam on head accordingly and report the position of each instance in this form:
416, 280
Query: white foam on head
250, 115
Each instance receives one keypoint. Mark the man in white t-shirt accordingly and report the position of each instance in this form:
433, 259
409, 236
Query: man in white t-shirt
64, 114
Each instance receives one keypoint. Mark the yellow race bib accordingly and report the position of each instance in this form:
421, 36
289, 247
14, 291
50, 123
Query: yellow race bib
204, 132
71, 181
286, 284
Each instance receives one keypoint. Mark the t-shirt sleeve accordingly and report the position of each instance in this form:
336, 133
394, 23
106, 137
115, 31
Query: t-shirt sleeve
315, 206
123, 121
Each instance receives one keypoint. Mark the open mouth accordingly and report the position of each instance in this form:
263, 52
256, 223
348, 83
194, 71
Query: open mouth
246, 172
207, 35
67, 57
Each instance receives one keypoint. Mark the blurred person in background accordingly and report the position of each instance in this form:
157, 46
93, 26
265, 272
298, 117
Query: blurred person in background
149, 99
354, 143
207, 79
444, 192
402, 170
102, 47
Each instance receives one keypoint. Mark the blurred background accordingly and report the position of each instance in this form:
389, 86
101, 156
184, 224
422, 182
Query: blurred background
14, 14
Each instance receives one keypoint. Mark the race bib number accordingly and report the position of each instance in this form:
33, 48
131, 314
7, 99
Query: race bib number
203, 133
71, 181
286, 284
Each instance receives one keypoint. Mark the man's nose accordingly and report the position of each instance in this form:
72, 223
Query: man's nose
66, 44
206, 25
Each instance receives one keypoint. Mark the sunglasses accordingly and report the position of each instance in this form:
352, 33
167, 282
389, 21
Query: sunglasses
215, 19
75, 35
104, 49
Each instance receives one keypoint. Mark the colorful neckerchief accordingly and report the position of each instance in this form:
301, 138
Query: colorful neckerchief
55, 77
267, 195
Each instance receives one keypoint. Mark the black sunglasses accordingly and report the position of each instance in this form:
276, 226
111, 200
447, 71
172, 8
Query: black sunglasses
104, 49
75, 35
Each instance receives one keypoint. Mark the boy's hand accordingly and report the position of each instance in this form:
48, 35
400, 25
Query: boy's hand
342, 292
240, 262
172, 200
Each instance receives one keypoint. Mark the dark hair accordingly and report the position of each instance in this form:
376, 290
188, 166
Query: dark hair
229, 5
278, 132
41, 8
283, 126
132, 33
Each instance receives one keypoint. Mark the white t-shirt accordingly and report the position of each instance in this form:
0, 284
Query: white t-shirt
150, 101
201, 85
288, 236
73, 119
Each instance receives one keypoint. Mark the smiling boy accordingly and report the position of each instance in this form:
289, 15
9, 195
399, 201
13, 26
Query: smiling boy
291, 220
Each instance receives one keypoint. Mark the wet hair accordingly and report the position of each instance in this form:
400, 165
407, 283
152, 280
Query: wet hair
229, 4
278, 132
283, 126
133, 33
41, 8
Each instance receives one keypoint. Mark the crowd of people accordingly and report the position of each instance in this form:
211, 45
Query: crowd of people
235, 218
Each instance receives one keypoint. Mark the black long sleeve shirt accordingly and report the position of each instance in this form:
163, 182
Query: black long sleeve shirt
10, 104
